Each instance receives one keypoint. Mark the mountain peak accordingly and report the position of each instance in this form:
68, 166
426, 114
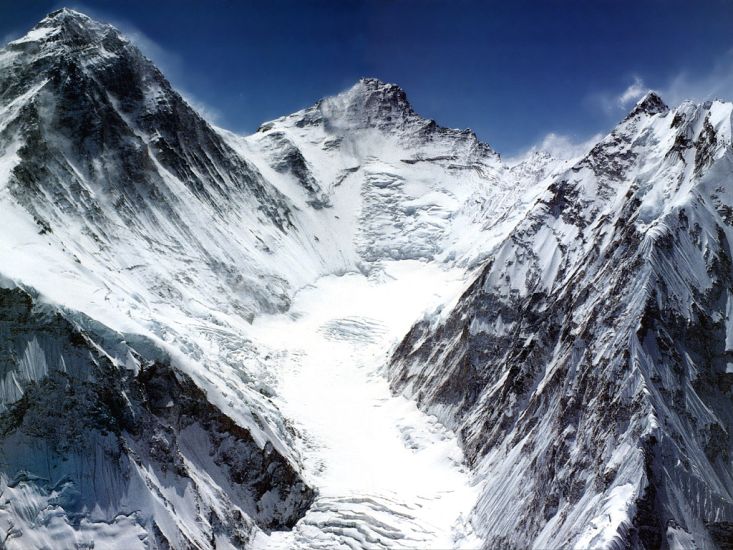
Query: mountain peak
372, 92
375, 84
369, 103
68, 27
65, 14
650, 104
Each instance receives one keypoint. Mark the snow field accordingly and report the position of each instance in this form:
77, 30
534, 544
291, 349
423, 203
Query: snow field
388, 475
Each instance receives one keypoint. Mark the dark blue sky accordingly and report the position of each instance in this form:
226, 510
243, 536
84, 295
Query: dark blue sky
513, 71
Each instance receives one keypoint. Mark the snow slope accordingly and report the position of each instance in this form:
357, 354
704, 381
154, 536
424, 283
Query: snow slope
210, 319
386, 183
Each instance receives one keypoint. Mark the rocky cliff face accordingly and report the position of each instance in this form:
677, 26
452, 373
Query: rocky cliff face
96, 116
104, 440
109, 161
587, 366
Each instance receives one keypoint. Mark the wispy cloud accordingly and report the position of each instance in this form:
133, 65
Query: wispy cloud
560, 146
633, 93
615, 102
208, 112
9, 37
717, 83
714, 83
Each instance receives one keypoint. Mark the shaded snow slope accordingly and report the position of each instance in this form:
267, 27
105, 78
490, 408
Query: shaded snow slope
586, 367
105, 442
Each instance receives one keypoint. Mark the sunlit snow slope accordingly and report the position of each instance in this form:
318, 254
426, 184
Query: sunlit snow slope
388, 475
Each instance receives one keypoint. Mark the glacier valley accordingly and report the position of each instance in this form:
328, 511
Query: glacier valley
353, 328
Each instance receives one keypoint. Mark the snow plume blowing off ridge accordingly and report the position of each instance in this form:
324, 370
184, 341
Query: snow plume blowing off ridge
354, 328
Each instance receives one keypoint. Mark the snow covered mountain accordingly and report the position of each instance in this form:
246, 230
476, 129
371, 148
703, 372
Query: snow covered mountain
385, 183
121, 205
588, 367
194, 325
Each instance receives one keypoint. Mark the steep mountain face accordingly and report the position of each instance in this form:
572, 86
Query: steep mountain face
110, 444
388, 184
587, 367
110, 161
121, 204
105, 163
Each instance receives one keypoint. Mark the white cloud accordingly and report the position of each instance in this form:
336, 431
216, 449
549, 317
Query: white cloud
633, 93
209, 113
615, 103
560, 146
716, 83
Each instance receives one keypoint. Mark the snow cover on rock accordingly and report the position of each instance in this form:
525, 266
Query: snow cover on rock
586, 367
